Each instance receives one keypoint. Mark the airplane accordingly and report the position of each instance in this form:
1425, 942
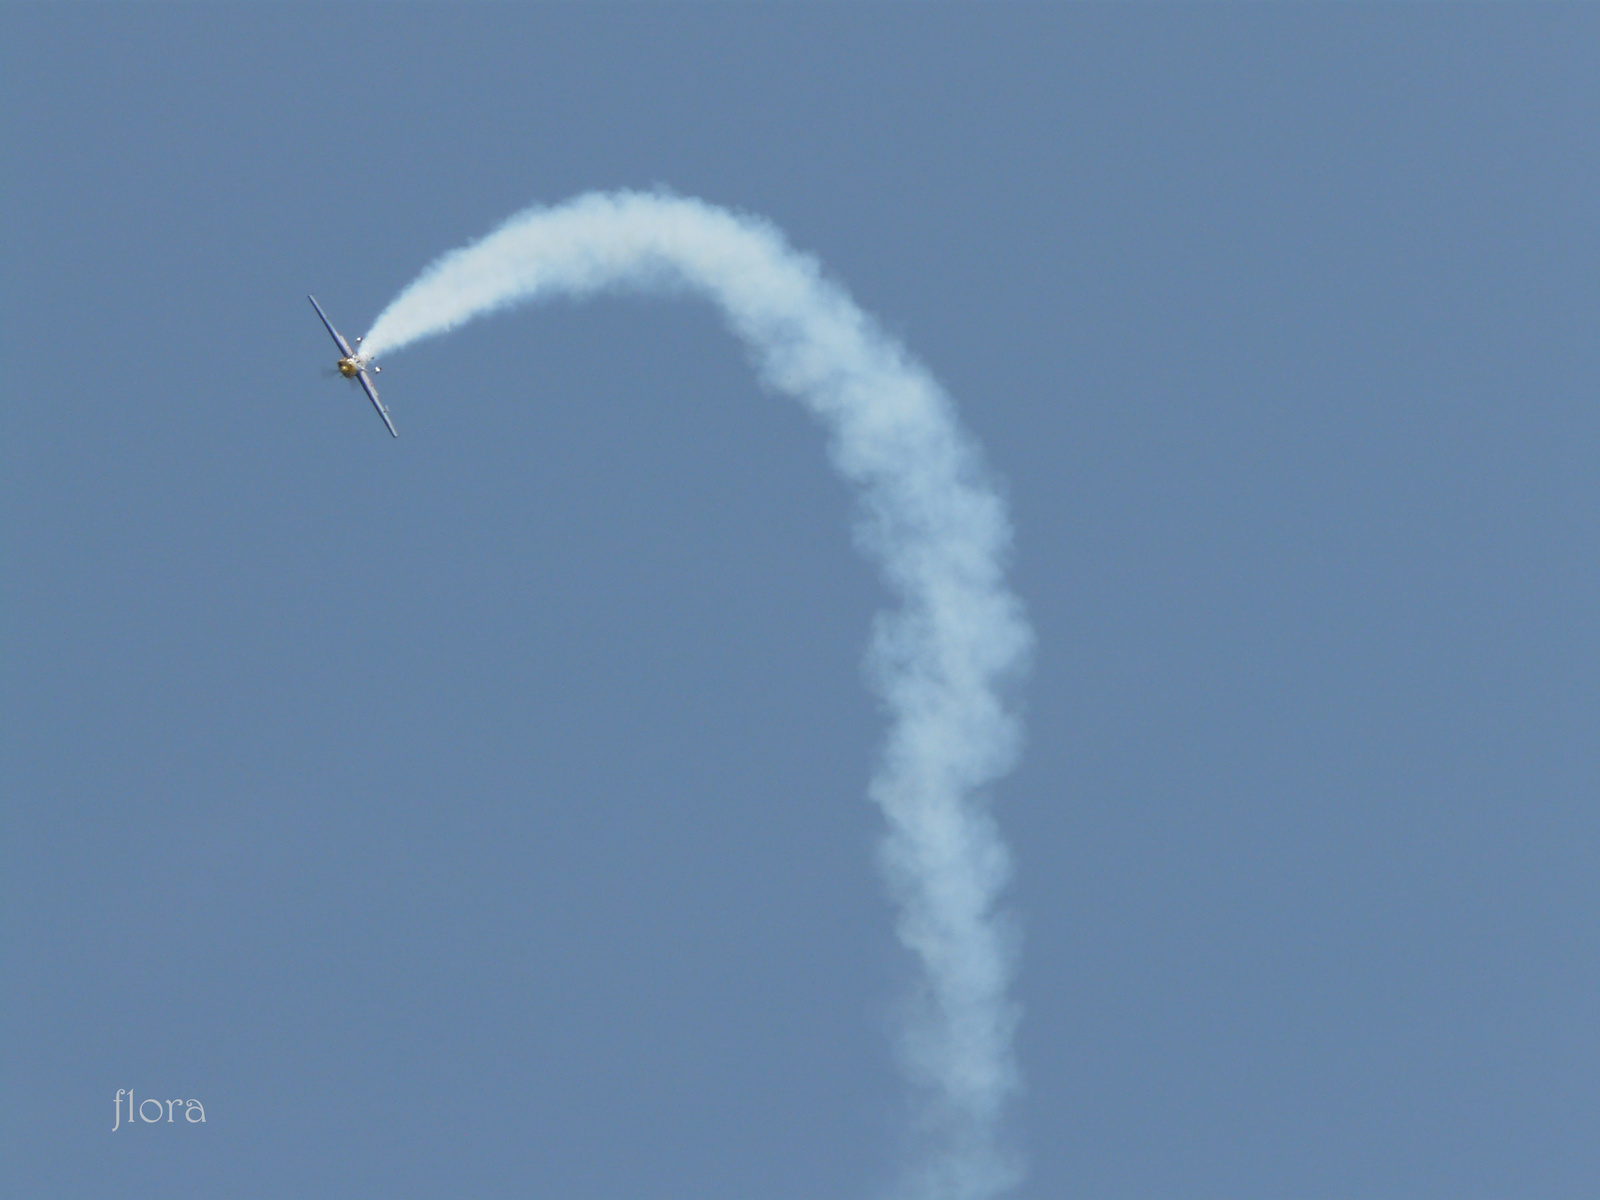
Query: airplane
354, 366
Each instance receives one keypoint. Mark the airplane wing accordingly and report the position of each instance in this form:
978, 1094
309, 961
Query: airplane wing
372, 394
338, 340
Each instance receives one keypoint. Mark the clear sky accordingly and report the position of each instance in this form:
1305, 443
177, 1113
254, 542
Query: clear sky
482, 813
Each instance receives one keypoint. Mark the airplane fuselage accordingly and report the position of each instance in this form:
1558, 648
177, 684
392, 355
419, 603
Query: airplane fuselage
349, 367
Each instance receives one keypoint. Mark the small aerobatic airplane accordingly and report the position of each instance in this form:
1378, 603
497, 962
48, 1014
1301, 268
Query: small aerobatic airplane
354, 366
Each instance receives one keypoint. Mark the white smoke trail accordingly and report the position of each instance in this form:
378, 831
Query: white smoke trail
939, 531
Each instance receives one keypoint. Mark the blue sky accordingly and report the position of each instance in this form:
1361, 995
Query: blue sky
482, 812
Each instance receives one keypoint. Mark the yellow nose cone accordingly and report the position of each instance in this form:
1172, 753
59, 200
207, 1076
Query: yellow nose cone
347, 368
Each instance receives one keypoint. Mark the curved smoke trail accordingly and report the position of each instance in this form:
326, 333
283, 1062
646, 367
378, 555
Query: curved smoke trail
939, 532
